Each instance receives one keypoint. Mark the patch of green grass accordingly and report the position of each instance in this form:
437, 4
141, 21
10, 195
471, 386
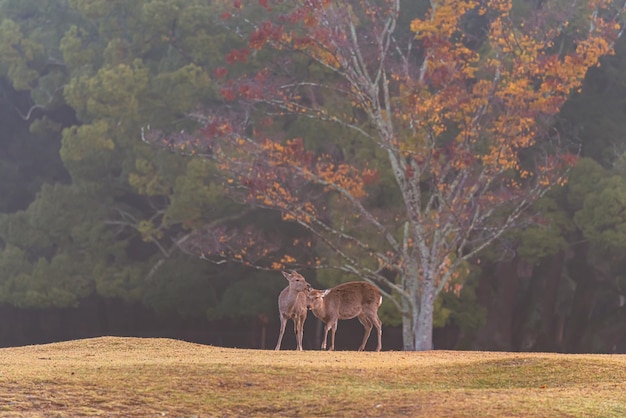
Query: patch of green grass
129, 376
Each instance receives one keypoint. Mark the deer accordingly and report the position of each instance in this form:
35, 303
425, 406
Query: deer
346, 301
292, 304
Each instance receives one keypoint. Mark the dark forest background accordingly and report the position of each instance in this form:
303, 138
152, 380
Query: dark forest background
90, 216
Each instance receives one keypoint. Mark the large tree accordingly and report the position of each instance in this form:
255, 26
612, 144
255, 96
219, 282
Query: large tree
454, 104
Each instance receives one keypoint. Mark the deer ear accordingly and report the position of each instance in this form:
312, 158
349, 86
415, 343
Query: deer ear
287, 275
325, 292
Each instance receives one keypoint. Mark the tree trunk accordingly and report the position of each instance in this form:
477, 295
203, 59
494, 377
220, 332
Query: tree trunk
409, 323
424, 329
418, 310
410, 309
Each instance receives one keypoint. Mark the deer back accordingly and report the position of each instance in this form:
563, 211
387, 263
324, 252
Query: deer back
348, 300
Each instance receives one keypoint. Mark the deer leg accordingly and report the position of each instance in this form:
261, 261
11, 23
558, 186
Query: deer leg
299, 331
333, 329
379, 327
283, 324
326, 329
367, 324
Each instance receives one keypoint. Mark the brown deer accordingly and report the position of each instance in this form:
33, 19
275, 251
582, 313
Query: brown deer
346, 301
292, 305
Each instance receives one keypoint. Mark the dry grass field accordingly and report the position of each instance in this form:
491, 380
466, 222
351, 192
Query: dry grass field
160, 377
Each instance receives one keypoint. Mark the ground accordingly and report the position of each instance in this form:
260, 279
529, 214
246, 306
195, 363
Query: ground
112, 376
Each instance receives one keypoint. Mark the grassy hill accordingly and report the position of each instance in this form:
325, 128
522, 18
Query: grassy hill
161, 377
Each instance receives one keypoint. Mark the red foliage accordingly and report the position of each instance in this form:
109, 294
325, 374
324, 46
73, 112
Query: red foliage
228, 93
570, 159
261, 76
297, 15
267, 31
220, 72
249, 92
216, 128
231, 57
238, 55
370, 176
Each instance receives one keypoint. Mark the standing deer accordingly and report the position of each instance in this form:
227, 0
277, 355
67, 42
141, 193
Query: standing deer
346, 301
292, 305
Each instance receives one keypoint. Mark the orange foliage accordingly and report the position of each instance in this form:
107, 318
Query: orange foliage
492, 101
